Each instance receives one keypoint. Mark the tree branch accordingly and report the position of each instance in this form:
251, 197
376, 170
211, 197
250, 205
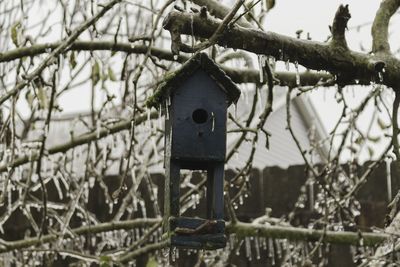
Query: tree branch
246, 75
310, 235
379, 30
82, 139
37, 49
146, 249
348, 65
219, 11
239, 228
339, 26
102, 227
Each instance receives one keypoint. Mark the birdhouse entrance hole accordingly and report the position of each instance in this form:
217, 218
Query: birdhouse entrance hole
200, 116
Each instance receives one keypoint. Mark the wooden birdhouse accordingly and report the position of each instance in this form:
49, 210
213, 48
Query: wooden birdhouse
195, 99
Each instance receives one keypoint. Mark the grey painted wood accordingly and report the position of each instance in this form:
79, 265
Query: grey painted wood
204, 140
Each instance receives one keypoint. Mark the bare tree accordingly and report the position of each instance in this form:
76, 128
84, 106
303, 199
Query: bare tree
118, 52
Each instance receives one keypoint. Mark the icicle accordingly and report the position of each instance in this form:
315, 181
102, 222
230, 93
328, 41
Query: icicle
311, 195
166, 111
143, 207
361, 241
213, 121
135, 204
272, 62
44, 166
271, 253
52, 170
296, 64
160, 111
148, 119
261, 63
287, 65
264, 243
86, 192
278, 249
232, 241
235, 205
193, 198
98, 128
235, 110
353, 93
260, 104
191, 28
173, 254
388, 162
153, 142
58, 187
34, 178
248, 248
105, 154
30, 154
133, 174
9, 200
92, 181
257, 247
380, 76
110, 207
237, 252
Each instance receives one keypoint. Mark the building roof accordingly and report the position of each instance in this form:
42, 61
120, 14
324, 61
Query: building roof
173, 79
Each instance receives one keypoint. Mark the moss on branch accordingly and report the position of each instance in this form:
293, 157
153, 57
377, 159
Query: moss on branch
339, 26
240, 229
243, 75
348, 65
303, 234
379, 30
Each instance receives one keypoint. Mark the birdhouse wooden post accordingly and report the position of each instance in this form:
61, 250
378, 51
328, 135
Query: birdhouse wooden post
195, 99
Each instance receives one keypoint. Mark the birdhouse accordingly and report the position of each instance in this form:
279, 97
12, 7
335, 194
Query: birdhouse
195, 99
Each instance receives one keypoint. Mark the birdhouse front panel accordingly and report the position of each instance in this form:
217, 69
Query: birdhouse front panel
198, 119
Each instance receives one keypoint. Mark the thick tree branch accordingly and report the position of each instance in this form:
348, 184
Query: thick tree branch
240, 229
348, 65
379, 30
247, 75
295, 233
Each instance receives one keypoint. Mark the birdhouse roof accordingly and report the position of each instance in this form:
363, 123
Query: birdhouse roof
174, 79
